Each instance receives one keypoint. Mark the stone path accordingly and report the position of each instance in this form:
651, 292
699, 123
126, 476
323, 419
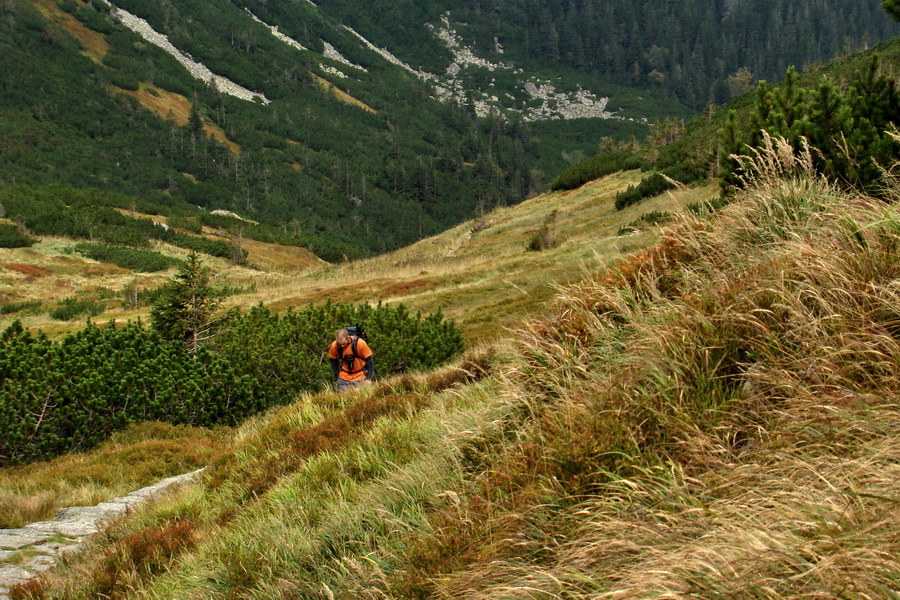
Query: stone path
35, 548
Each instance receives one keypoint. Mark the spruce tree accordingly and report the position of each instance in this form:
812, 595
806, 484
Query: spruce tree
892, 7
874, 107
185, 310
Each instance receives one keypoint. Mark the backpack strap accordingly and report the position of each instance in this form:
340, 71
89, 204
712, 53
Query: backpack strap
351, 362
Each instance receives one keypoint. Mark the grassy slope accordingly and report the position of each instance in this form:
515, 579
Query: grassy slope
479, 273
485, 280
48, 272
717, 417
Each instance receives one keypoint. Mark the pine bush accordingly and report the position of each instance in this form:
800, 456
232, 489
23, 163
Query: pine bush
67, 396
10, 237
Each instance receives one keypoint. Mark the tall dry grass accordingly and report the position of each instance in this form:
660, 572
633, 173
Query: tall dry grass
716, 417
721, 412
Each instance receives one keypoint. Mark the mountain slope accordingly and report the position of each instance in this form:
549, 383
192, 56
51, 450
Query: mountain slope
479, 273
352, 174
717, 412
333, 124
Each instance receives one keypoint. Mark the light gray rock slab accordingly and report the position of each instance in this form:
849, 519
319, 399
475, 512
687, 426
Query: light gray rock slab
20, 538
112, 510
42, 563
81, 513
166, 484
68, 528
10, 576
4, 554
129, 501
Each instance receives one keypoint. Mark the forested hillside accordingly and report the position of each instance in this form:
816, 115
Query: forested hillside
75, 87
347, 148
695, 49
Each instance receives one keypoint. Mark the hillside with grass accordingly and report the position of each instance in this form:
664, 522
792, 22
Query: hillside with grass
647, 382
481, 273
714, 417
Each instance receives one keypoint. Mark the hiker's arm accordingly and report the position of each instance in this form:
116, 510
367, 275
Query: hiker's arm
370, 368
335, 366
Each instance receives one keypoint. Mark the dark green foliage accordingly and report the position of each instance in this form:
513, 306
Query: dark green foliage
143, 261
136, 297
892, 7
184, 311
73, 308
684, 173
594, 168
288, 350
354, 184
357, 183
88, 213
68, 396
15, 307
731, 145
206, 246
702, 209
11, 237
654, 217
59, 397
652, 185
848, 132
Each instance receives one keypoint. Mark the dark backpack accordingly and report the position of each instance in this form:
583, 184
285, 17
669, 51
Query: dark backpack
357, 333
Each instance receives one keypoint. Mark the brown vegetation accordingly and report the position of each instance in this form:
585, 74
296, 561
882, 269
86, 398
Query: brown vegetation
94, 43
30, 270
175, 107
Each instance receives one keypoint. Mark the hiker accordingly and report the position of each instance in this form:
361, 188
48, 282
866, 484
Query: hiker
351, 360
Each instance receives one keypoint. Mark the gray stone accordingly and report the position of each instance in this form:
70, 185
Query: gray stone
166, 484
113, 509
20, 538
42, 563
81, 513
129, 501
10, 576
69, 528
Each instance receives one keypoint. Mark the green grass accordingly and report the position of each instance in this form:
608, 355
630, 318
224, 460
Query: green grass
132, 459
715, 416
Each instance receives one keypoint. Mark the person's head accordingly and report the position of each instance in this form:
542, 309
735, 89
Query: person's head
342, 337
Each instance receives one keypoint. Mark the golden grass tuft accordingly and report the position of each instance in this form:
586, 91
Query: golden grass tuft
720, 413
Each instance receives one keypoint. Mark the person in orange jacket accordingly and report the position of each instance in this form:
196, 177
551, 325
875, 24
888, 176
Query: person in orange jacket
351, 360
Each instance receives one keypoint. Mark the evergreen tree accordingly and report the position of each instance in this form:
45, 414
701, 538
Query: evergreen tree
849, 132
185, 310
731, 144
828, 120
892, 7
788, 116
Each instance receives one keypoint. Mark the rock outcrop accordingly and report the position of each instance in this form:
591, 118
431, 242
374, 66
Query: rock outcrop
28, 551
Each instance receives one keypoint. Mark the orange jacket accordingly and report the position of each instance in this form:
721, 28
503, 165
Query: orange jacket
363, 353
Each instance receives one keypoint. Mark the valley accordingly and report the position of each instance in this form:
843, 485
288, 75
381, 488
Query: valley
633, 306
479, 273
